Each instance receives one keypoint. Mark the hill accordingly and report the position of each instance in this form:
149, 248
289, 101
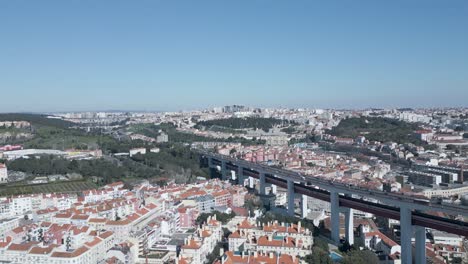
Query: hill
377, 129
45, 133
37, 120
242, 123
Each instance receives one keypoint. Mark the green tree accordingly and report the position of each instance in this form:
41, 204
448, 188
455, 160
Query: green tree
360, 257
318, 256
222, 217
322, 244
320, 253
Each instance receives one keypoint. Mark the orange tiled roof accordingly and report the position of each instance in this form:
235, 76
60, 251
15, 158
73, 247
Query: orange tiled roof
231, 258
285, 242
75, 253
42, 250
22, 247
106, 234
192, 244
92, 243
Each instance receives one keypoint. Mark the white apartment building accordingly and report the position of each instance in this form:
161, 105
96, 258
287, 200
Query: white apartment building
3, 173
137, 151
199, 247
87, 251
7, 224
273, 237
447, 238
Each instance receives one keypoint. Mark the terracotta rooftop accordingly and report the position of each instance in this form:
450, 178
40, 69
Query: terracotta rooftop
192, 244
106, 234
22, 247
42, 250
231, 258
77, 252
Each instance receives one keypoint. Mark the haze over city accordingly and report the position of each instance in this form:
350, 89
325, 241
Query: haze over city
176, 55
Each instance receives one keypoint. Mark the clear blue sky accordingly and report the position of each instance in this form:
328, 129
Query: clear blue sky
174, 55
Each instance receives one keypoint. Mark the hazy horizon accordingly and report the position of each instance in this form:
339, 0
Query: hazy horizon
59, 56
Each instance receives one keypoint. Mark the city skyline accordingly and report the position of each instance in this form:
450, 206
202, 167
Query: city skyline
167, 56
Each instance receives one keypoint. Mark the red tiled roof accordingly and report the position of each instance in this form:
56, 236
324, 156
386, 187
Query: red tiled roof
42, 250
97, 220
72, 254
106, 234
192, 244
285, 242
22, 247
94, 242
232, 258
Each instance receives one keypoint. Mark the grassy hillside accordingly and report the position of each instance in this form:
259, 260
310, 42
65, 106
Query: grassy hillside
48, 133
377, 129
60, 187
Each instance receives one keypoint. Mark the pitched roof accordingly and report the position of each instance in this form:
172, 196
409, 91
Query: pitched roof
77, 252
42, 250
192, 244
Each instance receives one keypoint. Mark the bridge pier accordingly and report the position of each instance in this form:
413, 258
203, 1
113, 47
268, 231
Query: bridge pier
420, 237
273, 189
335, 217
212, 168
405, 235
213, 172
291, 197
251, 182
303, 206
349, 225
224, 171
240, 176
262, 183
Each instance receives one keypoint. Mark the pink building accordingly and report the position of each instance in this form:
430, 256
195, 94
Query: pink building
187, 217
222, 198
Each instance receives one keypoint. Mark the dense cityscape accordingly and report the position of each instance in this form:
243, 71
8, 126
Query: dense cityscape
136, 187
233, 132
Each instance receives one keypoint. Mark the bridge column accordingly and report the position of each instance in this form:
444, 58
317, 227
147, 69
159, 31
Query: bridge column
224, 171
251, 182
335, 216
291, 196
240, 175
273, 189
212, 168
420, 237
405, 235
349, 225
303, 206
262, 183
